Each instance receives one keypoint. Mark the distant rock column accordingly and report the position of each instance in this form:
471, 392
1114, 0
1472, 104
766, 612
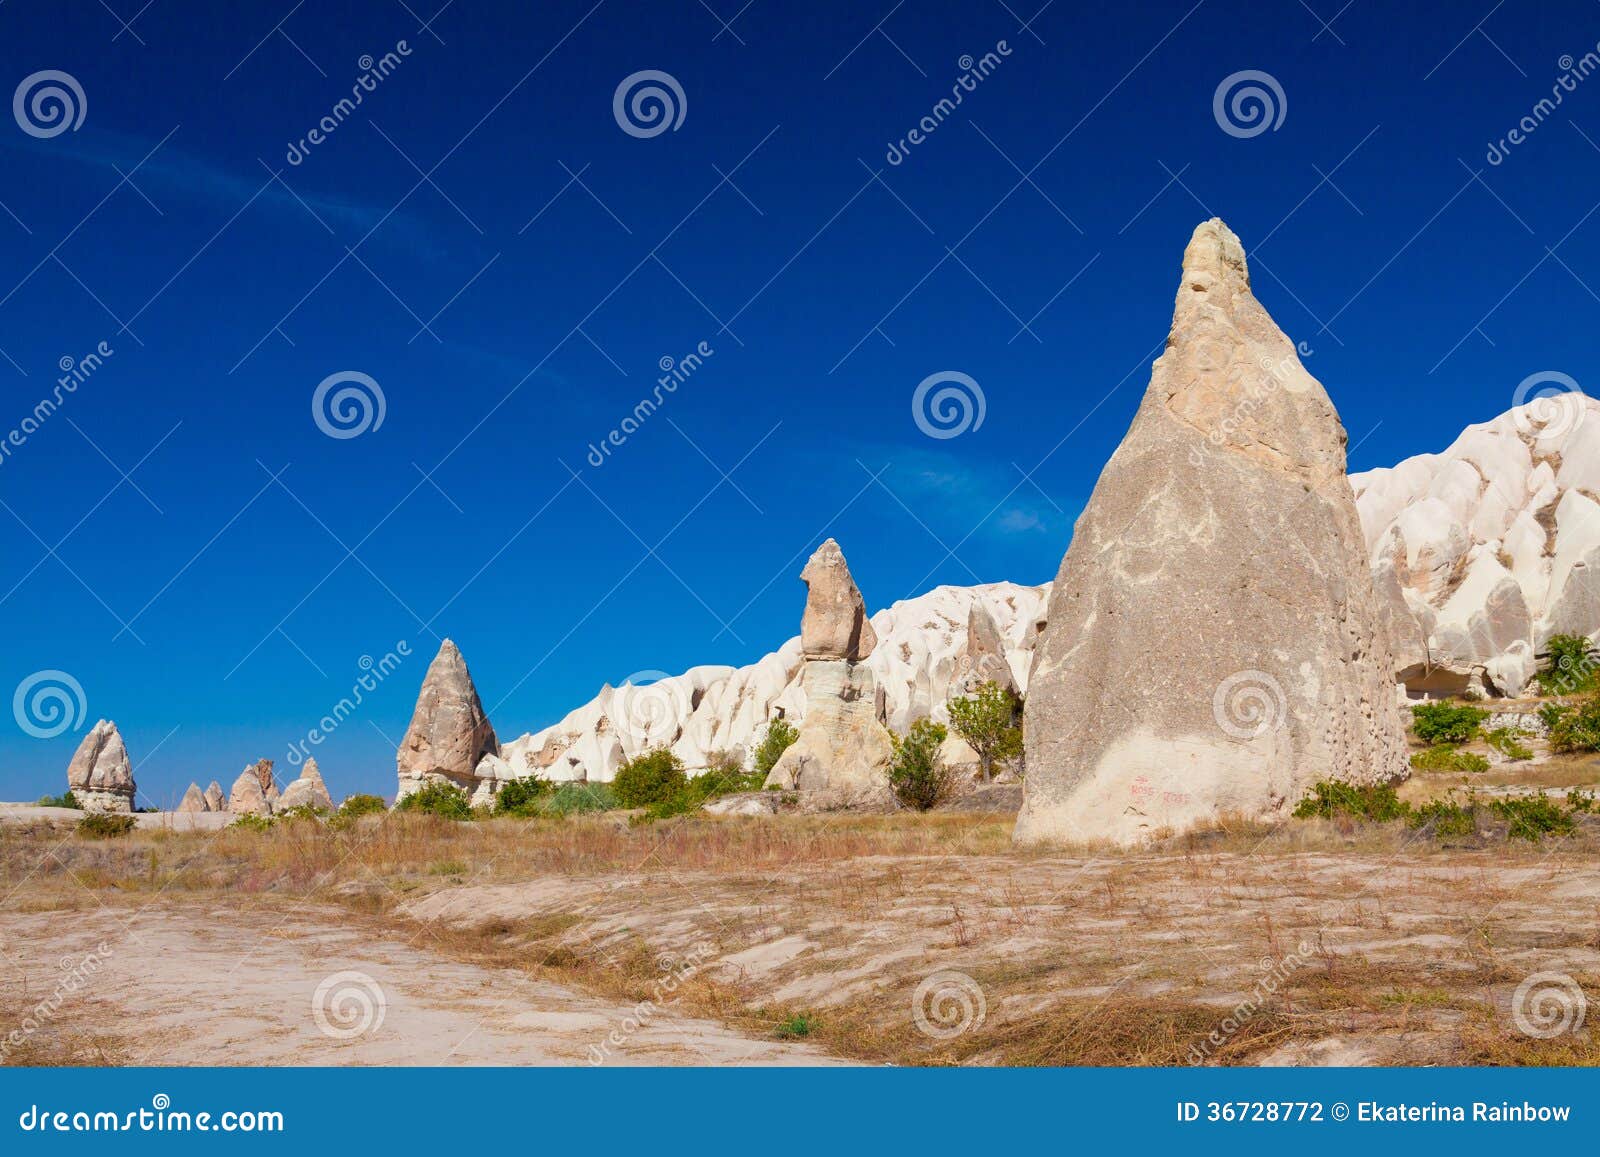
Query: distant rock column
307, 791
449, 733
1213, 644
100, 775
842, 747
194, 801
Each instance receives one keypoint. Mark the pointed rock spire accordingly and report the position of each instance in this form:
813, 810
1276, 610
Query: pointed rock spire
215, 800
307, 791
835, 624
100, 774
194, 800
1221, 557
247, 797
449, 732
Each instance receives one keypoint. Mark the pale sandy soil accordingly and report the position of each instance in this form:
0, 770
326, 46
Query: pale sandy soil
195, 983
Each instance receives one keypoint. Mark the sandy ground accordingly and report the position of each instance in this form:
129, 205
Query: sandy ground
204, 984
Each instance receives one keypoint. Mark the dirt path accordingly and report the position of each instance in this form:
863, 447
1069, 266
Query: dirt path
204, 984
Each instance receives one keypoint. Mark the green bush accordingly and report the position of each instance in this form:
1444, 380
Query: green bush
579, 798
1532, 817
1574, 728
1444, 757
798, 1025
303, 812
1445, 722
522, 797
1582, 802
655, 777
918, 776
362, 804
438, 799
1332, 798
251, 822
780, 735
105, 825
987, 721
1446, 818
1505, 741
65, 799
1571, 665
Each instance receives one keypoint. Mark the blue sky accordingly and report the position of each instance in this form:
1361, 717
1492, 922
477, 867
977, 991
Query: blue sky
482, 239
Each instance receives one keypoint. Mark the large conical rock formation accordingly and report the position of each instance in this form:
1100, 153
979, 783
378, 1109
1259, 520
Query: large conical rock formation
1213, 641
215, 800
194, 801
100, 775
842, 747
449, 733
307, 791
249, 796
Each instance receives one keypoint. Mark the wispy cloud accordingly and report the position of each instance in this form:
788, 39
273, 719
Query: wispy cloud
955, 493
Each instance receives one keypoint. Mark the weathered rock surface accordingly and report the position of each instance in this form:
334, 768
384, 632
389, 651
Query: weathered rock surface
1221, 559
194, 801
1490, 547
100, 775
835, 624
247, 797
449, 733
985, 660
215, 800
307, 791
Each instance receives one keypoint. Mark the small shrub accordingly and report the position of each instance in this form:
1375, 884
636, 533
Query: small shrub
798, 1025
1574, 728
1582, 802
780, 735
303, 812
1446, 818
105, 825
1532, 817
438, 799
1445, 722
579, 798
1332, 798
362, 805
1571, 666
447, 868
65, 799
1506, 742
918, 776
1444, 757
522, 797
987, 721
655, 777
251, 822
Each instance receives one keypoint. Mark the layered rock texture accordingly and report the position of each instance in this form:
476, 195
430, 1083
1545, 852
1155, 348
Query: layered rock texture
194, 801
248, 798
1484, 551
1214, 643
307, 791
449, 733
100, 775
215, 800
